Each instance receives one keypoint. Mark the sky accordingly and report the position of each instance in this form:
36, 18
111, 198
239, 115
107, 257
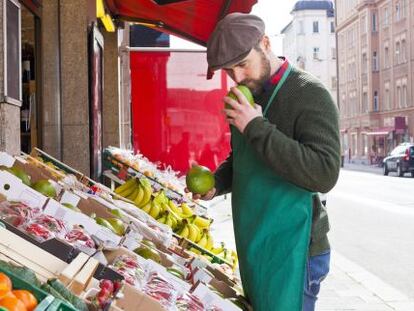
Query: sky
276, 15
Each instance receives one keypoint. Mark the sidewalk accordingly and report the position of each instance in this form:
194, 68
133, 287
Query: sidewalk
348, 286
375, 169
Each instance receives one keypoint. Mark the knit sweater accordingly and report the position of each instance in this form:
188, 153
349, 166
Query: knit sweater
299, 140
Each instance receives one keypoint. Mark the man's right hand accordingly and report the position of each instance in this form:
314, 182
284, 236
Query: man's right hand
206, 197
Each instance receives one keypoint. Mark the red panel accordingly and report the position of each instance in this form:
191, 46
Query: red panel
176, 113
190, 19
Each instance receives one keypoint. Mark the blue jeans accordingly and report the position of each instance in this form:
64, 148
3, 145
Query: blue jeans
317, 269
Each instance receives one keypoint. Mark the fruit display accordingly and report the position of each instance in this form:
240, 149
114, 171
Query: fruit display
162, 241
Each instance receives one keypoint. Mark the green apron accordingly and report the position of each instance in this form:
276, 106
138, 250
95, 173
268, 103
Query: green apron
272, 221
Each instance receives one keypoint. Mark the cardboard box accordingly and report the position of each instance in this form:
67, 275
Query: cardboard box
209, 298
135, 300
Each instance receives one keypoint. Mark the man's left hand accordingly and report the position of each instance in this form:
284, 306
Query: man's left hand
242, 112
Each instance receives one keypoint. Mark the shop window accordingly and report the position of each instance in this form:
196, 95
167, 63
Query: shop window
12, 55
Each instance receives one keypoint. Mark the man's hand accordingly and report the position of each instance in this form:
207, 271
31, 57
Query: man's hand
242, 112
207, 197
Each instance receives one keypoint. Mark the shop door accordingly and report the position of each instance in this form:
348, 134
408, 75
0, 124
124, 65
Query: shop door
95, 101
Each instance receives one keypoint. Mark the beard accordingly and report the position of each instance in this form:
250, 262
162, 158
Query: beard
256, 85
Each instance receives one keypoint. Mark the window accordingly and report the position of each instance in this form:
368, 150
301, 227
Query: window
332, 27
386, 57
387, 99
374, 22
315, 53
397, 52
403, 7
404, 96
403, 51
386, 21
301, 29
399, 102
363, 24
364, 102
375, 61
364, 63
376, 101
316, 27
333, 52
397, 11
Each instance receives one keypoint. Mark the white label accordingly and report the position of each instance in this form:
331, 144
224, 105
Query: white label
6, 159
69, 197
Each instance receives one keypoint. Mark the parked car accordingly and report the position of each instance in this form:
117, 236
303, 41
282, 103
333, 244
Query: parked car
400, 160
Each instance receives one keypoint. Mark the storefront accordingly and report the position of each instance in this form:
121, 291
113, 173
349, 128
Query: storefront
54, 57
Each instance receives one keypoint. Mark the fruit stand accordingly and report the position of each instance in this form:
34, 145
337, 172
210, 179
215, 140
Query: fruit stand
72, 243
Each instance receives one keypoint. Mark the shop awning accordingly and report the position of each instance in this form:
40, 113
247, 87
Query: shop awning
382, 131
193, 20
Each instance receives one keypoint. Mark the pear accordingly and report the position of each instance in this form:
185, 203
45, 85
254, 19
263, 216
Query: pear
103, 222
148, 253
117, 225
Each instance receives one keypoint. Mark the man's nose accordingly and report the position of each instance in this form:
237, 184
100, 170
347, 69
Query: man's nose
238, 76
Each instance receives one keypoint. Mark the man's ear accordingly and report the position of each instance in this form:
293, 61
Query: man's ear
266, 44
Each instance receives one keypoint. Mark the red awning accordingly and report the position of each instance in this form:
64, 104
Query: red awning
193, 20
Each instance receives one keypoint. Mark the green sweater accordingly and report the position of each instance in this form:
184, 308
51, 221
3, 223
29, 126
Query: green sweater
299, 141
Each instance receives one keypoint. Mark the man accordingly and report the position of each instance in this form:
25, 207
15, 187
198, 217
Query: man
285, 149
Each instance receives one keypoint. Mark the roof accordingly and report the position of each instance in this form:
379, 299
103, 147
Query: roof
315, 5
286, 27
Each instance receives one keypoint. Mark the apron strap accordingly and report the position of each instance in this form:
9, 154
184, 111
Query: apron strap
277, 88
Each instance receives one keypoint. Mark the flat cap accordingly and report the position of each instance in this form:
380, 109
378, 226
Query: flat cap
233, 38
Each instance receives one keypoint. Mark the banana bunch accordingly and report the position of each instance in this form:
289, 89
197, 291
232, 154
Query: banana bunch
138, 191
190, 231
201, 222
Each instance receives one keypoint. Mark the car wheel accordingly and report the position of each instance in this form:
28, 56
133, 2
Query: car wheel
385, 169
400, 173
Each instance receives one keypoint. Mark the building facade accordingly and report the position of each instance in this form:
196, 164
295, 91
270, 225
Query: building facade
309, 40
375, 76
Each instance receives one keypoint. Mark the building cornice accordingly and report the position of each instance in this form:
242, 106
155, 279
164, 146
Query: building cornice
347, 22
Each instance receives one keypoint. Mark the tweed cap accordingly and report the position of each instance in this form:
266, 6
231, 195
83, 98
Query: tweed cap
233, 38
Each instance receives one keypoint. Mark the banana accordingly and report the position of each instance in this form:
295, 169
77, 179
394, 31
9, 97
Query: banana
203, 241
147, 194
174, 207
133, 195
155, 210
125, 186
218, 250
210, 242
128, 191
169, 221
235, 259
162, 218
139, 197
202, 222
194, 232
184, 232
187, 211
147, 208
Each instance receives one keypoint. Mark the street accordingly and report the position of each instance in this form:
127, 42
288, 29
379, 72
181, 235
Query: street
372, 224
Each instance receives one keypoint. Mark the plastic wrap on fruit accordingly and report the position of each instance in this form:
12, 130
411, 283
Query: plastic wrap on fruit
214, 308
161, 290
52, 224
17, 213
130, 269
78, 237
153, 231
189, 302
38, 231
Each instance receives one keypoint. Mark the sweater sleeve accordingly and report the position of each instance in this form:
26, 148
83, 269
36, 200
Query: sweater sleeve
311, 159
224, 176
